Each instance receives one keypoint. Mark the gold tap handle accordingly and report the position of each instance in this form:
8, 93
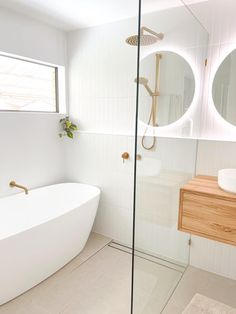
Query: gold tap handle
125, 156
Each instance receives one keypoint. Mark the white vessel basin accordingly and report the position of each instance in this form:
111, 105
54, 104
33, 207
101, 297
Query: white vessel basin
227, 180
147, 166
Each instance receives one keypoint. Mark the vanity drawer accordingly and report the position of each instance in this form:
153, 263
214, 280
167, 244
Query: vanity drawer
208, 216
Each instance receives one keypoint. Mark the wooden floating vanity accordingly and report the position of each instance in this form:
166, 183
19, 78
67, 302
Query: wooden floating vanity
206, 210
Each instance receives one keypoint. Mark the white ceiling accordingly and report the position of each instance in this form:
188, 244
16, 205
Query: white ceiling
73, 14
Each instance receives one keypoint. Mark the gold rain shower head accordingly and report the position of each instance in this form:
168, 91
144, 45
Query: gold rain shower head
145, 39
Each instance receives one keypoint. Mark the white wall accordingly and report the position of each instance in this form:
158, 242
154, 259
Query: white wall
27, 37
207, 254
219, 18
102, 96
96, 159
157, 197
102, 68
31, 150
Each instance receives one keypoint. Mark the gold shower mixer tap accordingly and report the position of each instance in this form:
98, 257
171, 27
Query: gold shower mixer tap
125, 156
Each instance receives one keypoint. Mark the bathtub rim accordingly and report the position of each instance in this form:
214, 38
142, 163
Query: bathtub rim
94, 187
17, 233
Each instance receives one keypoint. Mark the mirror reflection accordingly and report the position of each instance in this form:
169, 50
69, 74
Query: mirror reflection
167, 88
224, 91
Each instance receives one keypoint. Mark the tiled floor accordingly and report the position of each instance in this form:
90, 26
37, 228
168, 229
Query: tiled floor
208, 284
154, 285
98, 281
59, 293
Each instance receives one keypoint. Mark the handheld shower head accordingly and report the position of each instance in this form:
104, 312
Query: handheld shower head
145, 39
144, 81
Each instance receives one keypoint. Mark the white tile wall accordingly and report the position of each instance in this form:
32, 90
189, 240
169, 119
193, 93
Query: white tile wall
207, 254
96, 159
219, 19
213, 256
158, 198
102, 69
102, 97
215, 155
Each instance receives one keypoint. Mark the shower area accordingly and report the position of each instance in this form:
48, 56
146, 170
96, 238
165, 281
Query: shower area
138, 85
172, 47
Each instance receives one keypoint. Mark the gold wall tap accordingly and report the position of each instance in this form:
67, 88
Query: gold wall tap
139, 157
13, 184
125, 156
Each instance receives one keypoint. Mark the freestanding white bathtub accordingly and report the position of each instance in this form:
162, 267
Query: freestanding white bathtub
41, 232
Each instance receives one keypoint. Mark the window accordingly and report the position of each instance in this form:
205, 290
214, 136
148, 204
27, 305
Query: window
27, 86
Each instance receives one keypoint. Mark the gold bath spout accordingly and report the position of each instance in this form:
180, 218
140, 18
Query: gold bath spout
13, 184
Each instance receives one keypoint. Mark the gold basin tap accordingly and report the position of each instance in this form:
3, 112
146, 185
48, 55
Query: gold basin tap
13, 184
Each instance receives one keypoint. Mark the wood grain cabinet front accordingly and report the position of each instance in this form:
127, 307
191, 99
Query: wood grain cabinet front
206, 210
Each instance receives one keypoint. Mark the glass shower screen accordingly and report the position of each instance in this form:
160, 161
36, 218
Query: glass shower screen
171, 45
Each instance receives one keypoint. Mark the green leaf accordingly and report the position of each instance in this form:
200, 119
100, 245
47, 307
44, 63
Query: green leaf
69, 134
73, 127
68, 124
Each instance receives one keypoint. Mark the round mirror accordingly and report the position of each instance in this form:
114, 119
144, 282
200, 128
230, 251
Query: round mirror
224, 88
167, 88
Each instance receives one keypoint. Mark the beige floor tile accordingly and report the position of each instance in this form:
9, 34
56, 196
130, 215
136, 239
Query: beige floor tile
98, 281
201, 304
101, 285
208, 284
154, 284
50, 296
22, 306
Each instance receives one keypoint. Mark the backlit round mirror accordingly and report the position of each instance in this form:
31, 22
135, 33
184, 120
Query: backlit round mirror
167, 87
224, 88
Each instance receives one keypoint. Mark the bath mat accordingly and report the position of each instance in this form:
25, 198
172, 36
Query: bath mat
203, 305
